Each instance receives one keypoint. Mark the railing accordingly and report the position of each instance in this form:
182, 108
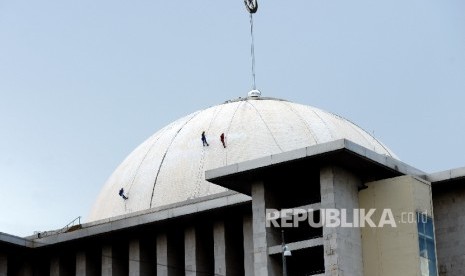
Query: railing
75, 224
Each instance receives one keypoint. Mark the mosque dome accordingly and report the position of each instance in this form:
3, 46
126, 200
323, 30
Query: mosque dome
169, 167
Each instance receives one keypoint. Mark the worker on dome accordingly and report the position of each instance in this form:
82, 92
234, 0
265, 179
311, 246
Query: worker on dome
204, 139
222, 140
121, 193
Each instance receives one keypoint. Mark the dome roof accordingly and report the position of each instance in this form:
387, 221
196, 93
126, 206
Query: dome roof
170, 166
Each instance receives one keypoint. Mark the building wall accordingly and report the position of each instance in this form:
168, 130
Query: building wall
394, 250
342, 246
449, 206
236, 240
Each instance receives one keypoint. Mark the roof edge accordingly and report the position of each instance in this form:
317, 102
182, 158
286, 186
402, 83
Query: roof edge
314, 151
446, 176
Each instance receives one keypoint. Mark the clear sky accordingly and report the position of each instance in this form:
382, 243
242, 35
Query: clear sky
82, 83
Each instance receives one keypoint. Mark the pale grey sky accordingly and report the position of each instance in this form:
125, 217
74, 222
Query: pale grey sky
82, 83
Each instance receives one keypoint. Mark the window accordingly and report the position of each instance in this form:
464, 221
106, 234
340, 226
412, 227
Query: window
426, 242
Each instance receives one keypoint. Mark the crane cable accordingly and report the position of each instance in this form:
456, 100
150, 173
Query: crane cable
252, 53
252, 6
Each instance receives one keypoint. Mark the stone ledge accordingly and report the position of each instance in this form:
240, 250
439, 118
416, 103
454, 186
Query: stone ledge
314, 151
144, 217
277, 249
448, 175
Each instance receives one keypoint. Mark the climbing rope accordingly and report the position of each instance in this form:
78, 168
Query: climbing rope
200, 172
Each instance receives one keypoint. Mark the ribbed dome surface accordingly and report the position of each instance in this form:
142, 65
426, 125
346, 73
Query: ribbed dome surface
170, 166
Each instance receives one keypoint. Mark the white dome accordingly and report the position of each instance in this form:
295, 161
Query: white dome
170, 166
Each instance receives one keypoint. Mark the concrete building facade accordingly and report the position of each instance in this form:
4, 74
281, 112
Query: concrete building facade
239, 228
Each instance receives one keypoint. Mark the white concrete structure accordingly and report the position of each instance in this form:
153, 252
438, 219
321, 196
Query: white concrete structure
169, 167
279, 155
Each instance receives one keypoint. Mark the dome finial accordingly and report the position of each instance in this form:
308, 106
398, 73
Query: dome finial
254, 93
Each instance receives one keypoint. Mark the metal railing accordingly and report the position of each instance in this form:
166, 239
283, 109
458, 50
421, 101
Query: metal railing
75, 224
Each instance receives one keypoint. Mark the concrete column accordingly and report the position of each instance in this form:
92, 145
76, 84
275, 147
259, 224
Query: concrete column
87, 265
449, 225
61, 265
248, 245
262, 262
3, 264
114, 260
81, 263
55, 266
198, 250
219, 247
190, 251
142, 260
162, 255
134, 258
107, 260
342, 245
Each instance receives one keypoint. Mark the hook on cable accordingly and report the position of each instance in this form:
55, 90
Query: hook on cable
251, 5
